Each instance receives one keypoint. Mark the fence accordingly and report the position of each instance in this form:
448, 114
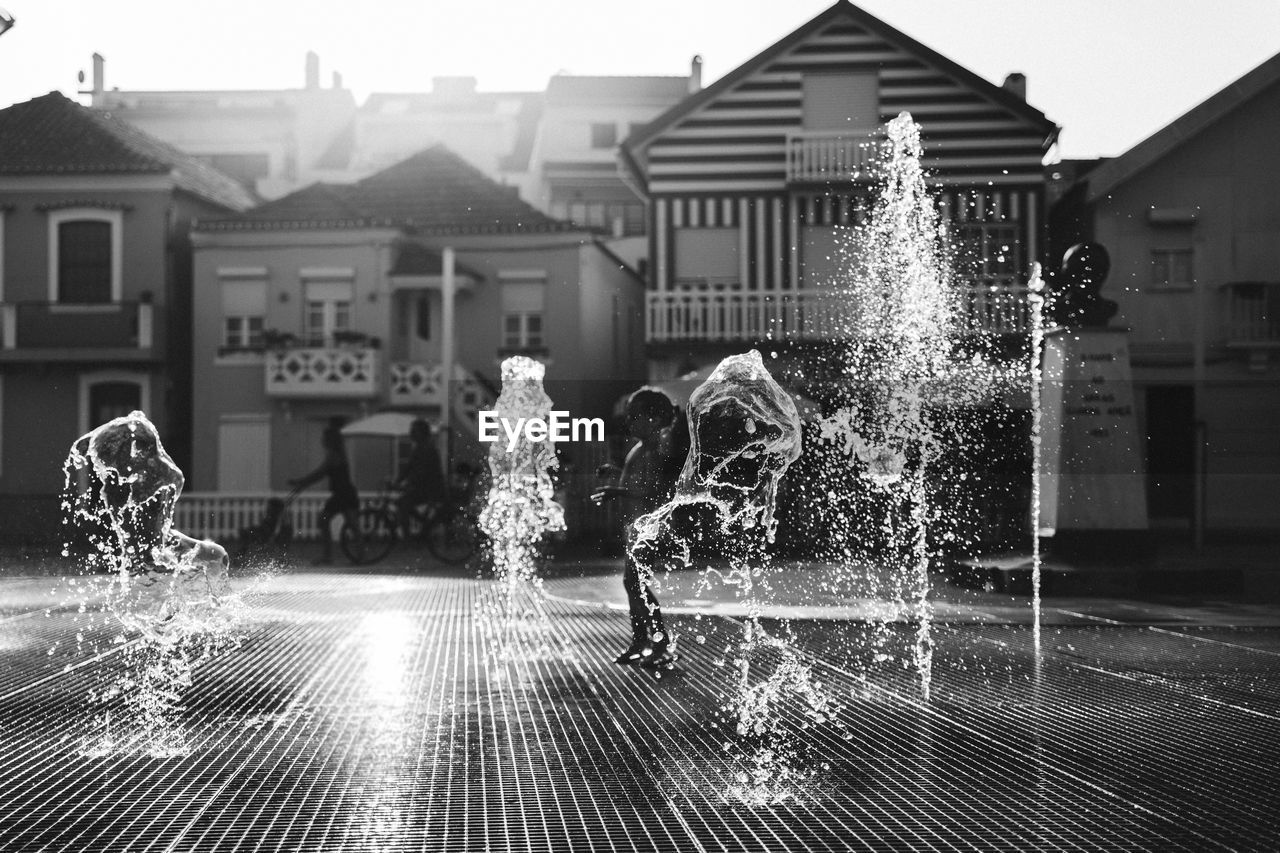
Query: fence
222, 515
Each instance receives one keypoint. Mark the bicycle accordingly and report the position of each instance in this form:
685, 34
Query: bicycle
449, 531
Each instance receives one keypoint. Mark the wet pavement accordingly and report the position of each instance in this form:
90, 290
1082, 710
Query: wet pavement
368, 712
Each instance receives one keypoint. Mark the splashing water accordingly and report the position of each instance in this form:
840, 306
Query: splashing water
167, 589
744, 435
900, 439
519, 512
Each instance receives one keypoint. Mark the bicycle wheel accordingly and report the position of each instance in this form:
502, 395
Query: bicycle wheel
376, 538
453, 537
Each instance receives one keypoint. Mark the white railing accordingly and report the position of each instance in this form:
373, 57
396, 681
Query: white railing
322, 372
999, 308
221, 516
807, 315
1252, 313
416, 384
832, 155
420, 384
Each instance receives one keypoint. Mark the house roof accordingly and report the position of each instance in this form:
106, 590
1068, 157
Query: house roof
1115, 172
840, 9
434, 191
53, 135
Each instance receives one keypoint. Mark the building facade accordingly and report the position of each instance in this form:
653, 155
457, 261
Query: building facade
1191, 219
272, 140
751, 180
328, 303
95, 301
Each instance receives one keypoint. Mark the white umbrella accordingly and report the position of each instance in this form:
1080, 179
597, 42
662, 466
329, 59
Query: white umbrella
390, 424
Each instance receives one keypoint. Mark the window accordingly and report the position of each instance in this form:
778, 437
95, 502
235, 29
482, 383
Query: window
708, 258
422, 315
523, 307
522, 330
243, 333
842, 101
244, 311
112, 394
414, 313
604, 134
1171, 268
85, 256
327, 310
990, 251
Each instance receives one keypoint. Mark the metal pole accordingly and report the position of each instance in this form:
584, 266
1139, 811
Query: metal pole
446, 351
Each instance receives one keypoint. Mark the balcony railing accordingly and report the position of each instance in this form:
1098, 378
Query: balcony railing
832, 155
416, 384
999, 306
67, 326
809, 315
1252, 314
343, 371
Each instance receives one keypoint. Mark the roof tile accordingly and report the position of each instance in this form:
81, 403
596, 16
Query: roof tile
52, 134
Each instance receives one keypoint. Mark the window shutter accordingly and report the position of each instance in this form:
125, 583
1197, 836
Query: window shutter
244, 299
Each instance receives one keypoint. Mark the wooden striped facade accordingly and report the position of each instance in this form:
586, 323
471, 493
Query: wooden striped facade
770, 226
738, 155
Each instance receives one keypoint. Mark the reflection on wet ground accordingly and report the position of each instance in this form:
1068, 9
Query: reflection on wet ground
362, 713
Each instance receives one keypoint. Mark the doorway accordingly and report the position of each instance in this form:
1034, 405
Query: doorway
1171, 451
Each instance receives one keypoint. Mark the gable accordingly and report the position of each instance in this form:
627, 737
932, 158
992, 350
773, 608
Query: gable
734, 138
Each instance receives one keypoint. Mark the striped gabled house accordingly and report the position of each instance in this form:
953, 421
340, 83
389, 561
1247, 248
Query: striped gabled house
748, 180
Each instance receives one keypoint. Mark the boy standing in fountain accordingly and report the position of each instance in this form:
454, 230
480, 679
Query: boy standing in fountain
644, 485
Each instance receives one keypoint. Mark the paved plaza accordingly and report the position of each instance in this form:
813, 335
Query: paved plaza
368, 712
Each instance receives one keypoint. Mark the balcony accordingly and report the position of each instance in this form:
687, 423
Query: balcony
339, 372
997, 306
54, 331
832, 156
1000, 308
416, 384
1251, 319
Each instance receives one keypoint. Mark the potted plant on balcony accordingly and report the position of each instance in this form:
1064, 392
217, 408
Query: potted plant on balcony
351, 338
274, 339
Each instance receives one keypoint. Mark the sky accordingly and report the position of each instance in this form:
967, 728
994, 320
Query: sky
1109, 72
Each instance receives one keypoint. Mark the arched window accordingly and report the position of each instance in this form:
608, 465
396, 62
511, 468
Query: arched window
112, 394
84, 255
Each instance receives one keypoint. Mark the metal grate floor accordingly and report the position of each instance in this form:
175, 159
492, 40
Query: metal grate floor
367, 714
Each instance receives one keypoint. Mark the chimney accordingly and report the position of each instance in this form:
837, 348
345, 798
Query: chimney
1016, 83
99, 74
695, 74
453, 88
337, 80
313, 70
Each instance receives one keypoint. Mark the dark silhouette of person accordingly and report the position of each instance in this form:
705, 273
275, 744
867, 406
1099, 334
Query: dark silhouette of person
343, 499
422, 481
647, 477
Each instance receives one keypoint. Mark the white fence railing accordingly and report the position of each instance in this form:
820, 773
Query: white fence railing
415, 383
807, 315
221, 516
322, 372
837, 155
